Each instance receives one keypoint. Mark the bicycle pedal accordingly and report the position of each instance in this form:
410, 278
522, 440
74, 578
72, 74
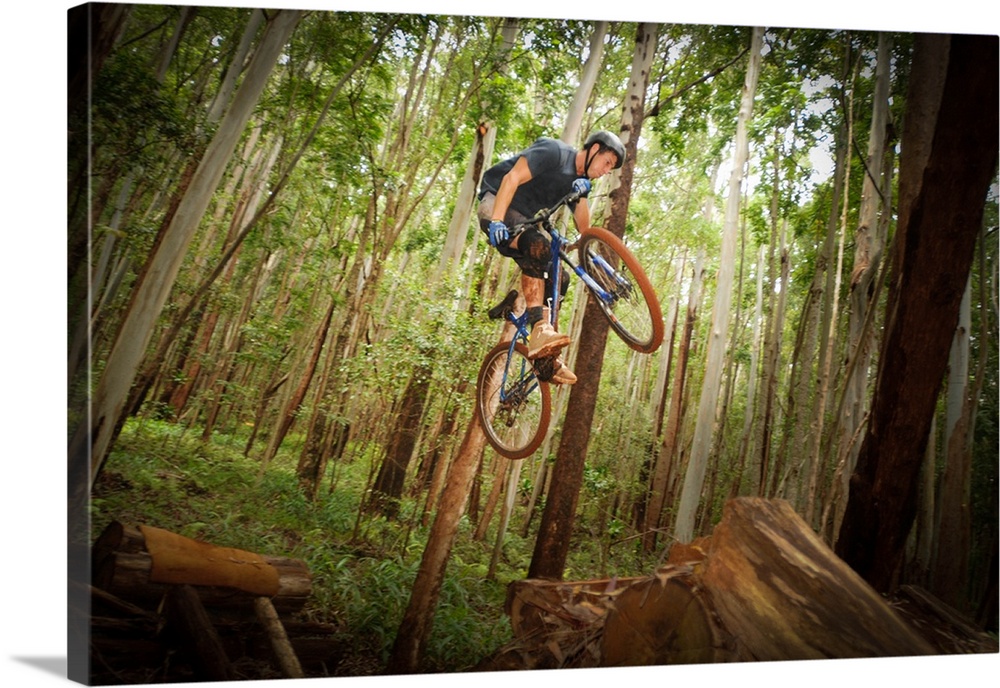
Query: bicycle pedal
501, 310
545, 368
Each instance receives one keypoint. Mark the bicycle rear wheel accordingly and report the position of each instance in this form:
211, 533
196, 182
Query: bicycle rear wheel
628, 301
513, 405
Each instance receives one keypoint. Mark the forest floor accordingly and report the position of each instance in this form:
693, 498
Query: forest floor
362, 565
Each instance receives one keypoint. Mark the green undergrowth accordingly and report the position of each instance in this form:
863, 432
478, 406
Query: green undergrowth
362, 569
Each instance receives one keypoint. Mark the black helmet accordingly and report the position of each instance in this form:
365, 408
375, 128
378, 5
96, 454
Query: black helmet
607, 141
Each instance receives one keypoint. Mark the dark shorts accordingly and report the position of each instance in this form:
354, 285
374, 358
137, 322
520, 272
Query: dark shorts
532, 254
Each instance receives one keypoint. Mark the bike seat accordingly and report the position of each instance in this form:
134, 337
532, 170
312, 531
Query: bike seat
504, 307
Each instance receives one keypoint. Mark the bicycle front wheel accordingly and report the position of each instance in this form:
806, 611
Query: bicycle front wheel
513, 405
623, 292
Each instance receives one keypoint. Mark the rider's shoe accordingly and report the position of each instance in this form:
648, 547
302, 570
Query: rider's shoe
563, 375
545, 341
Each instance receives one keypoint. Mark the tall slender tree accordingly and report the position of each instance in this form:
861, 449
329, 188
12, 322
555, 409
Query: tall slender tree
694, 477
555, 530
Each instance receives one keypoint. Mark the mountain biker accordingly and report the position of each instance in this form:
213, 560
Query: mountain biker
513, 191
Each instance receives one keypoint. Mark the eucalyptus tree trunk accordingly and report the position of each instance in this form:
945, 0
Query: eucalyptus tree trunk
946, 167
151, 293
415, 628
499, 471
581, 97
570, 134
694, 477
772, 368
186, 16
458, 228
555, 529
770, 347
748, 440
388, 488
868, 245
156, 359
237, 61
953, 531
510, 497
479, 161
920, 557
809, 360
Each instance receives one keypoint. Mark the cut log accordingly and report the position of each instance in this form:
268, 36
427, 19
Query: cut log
222, 577
942, 626
186, 612
763, 586
784, 595
283, 651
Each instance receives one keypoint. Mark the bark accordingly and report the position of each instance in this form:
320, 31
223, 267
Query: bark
316, 447
805, 371
942, 194
188, 615
479, 161
283, 651
187, 15
500, 469
441, 457
694, 477
762, 587
829, 334
771, 367
458, 228
254, 183
123, 566
155, 359
581, 96
510, 498
820, 609
555, 529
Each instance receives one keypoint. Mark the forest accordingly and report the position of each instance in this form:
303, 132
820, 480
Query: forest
278, 295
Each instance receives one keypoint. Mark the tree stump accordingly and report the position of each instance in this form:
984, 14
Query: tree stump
663, 619
784, 595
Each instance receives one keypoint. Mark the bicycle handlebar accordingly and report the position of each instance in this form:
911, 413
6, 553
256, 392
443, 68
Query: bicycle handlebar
545, 213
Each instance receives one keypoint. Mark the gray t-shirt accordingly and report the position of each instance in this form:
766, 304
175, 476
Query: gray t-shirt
553, 170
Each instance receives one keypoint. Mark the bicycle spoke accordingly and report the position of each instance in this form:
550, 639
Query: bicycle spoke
623, 291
